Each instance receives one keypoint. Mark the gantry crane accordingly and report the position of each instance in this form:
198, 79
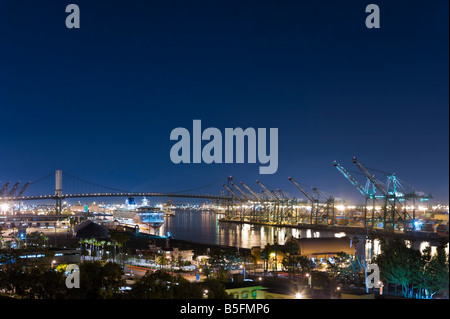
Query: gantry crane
242, 192
237, 197
13, 189
284, 195
249, 200
314, 202
267, 191
329, 202
4, 188
391, 198
251, 192
24, 188
276, 208
233, 193
368, 192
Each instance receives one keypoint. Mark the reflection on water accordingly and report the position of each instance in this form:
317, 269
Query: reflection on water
204, 227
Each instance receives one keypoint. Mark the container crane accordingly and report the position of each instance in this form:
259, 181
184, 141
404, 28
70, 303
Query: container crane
284, 195
233, 193
275, 209
251, 192
13, 190
267, 191
242, 192
354, 182
4, 188
24, 188
385, 193
368, 194
314, 202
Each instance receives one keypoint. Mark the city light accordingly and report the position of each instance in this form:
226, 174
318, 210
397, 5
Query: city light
5, 207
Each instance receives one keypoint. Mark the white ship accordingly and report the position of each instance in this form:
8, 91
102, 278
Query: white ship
149, 219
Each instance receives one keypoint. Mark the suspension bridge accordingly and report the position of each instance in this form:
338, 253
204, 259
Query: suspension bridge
389, 205
17, 194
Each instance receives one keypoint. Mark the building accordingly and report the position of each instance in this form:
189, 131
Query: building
317, 248
89, 229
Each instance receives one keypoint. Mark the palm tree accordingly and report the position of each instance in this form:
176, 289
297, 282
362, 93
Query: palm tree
161, 260
275, 249
291, 251
264, 256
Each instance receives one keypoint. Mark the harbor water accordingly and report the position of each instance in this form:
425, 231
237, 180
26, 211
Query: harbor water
205, 227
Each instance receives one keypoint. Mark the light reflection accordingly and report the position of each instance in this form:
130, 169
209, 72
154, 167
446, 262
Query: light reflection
204, 226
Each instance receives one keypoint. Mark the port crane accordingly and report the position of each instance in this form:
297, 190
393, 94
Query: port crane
368, 192
4, 188
314, 202
275, 209
242, 192
251, 192
24, 188
391, 199
13, 190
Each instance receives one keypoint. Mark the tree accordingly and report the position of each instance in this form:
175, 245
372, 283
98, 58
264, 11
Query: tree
345, 268
224, 259
435, 274
289, 262
400, 265
162, 285
216, 289
119, 240
265, 258
98, 280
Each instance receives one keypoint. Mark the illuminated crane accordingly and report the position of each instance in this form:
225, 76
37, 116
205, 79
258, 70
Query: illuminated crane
275, 209
242, 192
4, 188
233, 193
251, 192
24, 188
267, 191
391, 198
13, 190
314, 202
368, 192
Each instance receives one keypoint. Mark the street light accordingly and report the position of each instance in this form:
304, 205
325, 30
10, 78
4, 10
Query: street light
53, 262
298, 295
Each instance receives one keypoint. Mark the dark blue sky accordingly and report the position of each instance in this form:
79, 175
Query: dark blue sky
100, 101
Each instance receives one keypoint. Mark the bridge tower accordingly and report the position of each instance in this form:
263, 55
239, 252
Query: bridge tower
58, 191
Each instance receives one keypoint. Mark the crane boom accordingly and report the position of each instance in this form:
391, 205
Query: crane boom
242, 192
376, 183
347, 175
13, 189
4, 188
371, 177
234, 194
284, 194
24, 188
251, 192
267, 190
302, 190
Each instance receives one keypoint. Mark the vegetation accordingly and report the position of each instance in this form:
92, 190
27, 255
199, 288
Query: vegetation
163, 285
420, 275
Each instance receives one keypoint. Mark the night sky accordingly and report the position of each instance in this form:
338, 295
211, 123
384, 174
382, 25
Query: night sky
100, 102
